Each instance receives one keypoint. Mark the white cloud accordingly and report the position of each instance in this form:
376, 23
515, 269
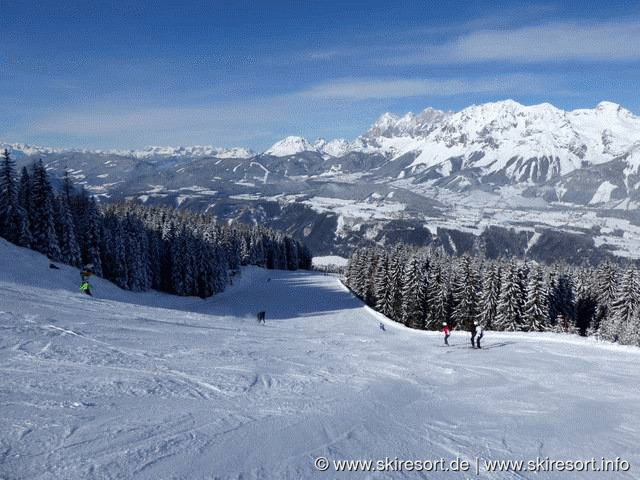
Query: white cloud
363, 89
250, 122
607, 41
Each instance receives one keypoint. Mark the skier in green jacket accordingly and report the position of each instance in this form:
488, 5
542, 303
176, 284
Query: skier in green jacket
85, 287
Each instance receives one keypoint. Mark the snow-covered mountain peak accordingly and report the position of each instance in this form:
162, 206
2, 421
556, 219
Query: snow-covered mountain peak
389, 125
382, 126
290, 145
606, 106
337, 147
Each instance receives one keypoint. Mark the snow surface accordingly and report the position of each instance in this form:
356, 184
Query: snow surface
150, 386
330, 260
603, 194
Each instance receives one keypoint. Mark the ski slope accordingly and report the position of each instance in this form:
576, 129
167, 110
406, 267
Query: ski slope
149, 386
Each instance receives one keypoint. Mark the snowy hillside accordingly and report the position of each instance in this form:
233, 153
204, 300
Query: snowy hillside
120, 386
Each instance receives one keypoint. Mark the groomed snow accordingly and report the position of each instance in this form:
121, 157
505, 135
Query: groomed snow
119, 386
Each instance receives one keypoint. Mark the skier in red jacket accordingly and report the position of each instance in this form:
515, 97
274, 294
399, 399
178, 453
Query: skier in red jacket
447, 333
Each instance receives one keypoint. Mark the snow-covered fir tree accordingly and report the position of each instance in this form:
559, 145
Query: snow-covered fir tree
624, 307
414, 293
9, 215
511, 302
396, 278
383, 290
561, 301
536, 307
465, 289
490, 296
436, 299
42, 213
511, 295
65, 229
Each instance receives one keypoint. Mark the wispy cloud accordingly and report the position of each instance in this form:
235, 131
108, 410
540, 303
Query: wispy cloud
255, 122
604, 41
365, 88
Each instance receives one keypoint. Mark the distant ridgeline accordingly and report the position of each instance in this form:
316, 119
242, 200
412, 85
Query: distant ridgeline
422, 288
134, 246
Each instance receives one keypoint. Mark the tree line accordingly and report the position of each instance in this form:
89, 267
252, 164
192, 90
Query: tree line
422, 288
135, 246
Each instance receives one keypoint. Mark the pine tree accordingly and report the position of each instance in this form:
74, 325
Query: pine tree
606, 287
9, 216
510, 305
92, 222
42, 214
536, 307
291, 248
623, 309
436, 297
178, 267
586, 300
383, 292
414, 294
154, 260
562, 303
369, 268
65, 229
490, 296
25, 238
245, 253
630, 334
396, 278
356, 273
465, 289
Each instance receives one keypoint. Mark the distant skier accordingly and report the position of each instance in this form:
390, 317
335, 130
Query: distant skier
261, 317
479, 333
85, 287
86, 272
473, 334
447, 332
381, 326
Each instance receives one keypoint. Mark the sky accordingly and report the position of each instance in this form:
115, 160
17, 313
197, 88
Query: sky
125, 75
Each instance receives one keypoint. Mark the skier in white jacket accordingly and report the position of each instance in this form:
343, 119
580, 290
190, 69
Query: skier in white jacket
479, 334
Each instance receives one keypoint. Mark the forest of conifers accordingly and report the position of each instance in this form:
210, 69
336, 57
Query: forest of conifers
135, 246
422, 288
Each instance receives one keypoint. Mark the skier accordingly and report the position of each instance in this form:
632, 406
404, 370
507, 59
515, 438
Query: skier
85, 287
381, 326
261, 317
479, 333
86, 272
447, 333
473, 334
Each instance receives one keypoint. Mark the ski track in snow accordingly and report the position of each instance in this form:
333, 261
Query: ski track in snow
149, 386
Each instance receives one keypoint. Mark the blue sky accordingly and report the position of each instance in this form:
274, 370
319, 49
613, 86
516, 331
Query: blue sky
101, 74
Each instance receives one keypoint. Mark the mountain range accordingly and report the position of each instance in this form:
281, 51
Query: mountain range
506, 178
